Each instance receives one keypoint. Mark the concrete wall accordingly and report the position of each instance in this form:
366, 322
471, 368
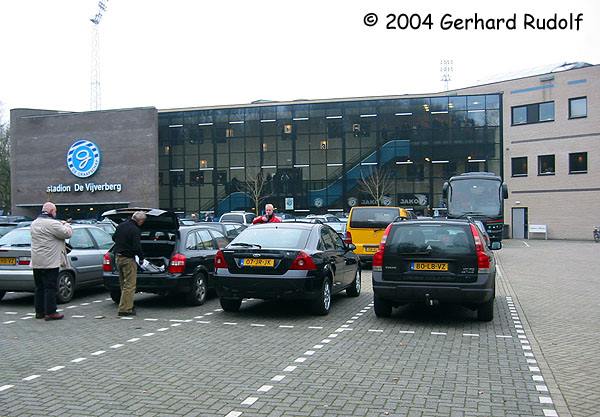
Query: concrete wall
569, 204
128, 144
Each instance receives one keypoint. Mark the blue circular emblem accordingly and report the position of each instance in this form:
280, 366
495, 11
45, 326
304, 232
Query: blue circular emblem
83, 158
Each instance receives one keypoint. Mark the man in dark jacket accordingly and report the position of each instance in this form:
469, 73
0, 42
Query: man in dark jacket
269, 216
127, 247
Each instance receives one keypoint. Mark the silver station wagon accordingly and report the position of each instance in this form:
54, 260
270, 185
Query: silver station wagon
89, 245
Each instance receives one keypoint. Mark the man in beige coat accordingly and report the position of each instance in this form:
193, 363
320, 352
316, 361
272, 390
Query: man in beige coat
48, 254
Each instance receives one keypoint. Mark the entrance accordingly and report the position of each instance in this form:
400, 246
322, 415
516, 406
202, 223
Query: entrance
519, 222
84, 212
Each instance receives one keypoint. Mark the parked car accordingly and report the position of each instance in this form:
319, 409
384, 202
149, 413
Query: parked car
331, 220
105, 224
366, 225
89, 245
286, 261
8, 226
241, 217
434, 261
181, 257
230, 230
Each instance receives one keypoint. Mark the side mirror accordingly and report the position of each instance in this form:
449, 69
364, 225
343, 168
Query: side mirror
445, 190
351, 246
496, 245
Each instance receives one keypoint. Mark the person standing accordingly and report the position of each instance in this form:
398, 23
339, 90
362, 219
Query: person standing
127, 247
269, 216
48, 254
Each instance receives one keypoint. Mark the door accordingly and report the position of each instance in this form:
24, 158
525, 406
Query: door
519, 222
335, 256
85, 256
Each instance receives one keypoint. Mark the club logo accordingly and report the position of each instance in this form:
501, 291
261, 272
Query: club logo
83, 158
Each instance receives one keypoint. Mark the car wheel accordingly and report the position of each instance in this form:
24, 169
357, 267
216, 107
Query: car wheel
2, 294
66, 287
383, 308
485, 311
354, 289
322, 304
116, 296
231, 305
197, 295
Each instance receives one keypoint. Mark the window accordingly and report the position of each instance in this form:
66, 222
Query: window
196, 177
546, 165
190, 243
578, 163
103, 239
519, 166
533, 113
577, 107
81, 240
204, 240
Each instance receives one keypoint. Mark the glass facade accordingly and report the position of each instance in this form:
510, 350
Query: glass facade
322, 154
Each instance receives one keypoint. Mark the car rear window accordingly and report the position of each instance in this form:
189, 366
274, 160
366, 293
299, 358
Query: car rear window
17, 237
235, 218
446, 238
370, 218
273, 237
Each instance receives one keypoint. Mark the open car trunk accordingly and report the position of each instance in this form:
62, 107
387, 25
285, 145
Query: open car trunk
158, 248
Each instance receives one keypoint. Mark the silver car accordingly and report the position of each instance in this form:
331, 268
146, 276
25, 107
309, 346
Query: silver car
89, 244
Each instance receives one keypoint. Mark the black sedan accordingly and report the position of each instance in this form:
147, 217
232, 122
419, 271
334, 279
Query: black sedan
286, 261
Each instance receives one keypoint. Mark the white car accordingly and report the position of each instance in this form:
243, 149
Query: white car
240, 217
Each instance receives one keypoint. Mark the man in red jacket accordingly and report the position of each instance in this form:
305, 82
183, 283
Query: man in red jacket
269, 217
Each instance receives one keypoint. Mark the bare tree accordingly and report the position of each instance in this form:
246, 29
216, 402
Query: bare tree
4, 167
255, 186
376, 182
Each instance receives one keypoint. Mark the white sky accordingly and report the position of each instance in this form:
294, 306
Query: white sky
185, 53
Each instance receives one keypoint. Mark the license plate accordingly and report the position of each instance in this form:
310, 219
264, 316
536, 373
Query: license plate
429, 266
8, 261
371, 248
258, 262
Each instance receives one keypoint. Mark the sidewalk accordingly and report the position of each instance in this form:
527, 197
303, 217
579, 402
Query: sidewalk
557, 285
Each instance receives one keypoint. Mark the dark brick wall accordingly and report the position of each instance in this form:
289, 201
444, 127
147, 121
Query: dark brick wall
128, 143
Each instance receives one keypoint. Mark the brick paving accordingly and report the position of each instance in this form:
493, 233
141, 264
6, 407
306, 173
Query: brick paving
275, 359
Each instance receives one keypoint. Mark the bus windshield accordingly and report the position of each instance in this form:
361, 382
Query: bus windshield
477, 197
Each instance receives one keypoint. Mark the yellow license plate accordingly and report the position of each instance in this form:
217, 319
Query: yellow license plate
429, 266
258, 262
8, 261
371, 248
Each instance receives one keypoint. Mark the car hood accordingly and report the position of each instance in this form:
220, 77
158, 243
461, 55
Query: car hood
156, 219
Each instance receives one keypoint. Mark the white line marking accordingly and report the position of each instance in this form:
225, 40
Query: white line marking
162, 329
289, 368
26, 318
257, 325
471, 334
265, 388
541, 388
30, 378
354, 318
502, 336
151, 319
550, 413
518, 326
376, 330
546, 400
133, 339
325, 341
84, 304
300, 360
234, 414
78, 317
175, 324
203, 322
537, 378
54, 369
177, 321
208, 314
72, 307
526, 244
534, 369
286, 327
107, 299
315, 327
531, 361
526, 347
520, 331
5, 387
249, 401
8, 322
97, 301
31, 314
332, 336
218, 309
346, 325
98, 352
10, 312
309, 353
317, 346
78, 360
359, 314
522, 336
278, 378
59, 310
230, 323
407, 332
199, 317
148, 334
117, 346
528, 354
126, 318
439, 333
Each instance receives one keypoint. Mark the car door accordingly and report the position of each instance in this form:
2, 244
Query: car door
350, 261
335, 257
83, 257
208, 245
103, 242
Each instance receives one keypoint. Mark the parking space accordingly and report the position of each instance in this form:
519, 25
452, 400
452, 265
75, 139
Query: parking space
269, 359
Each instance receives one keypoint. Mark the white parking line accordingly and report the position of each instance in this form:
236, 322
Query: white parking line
26, 318
229, 323
550, 413
541, 388
30, 378
300, 360
234, 414
8, 322
84, 304
78, 360
439, 333
133, 339
503, 336
97, 301
98, 352
151, 319
289, 368
10, 312
249, 401
309, 353
376, 330
78, 317
257, 325
471, 334
117, 346
200, 321
407, 331
537, 378
315, 327
5, 387
278, 378
286, 327
317, 346
175, 324
162, 329
265, 388
55, 368
148, 334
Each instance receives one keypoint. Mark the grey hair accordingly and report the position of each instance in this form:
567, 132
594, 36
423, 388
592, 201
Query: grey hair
139, 216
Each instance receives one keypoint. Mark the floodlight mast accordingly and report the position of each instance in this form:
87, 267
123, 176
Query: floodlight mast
95, 92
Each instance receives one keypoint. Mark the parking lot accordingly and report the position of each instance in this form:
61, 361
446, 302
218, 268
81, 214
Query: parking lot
537, 358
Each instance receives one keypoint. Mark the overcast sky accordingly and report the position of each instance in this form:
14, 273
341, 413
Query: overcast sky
180, 53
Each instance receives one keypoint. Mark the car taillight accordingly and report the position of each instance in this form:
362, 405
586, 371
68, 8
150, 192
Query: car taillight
24, 260
348, 238
106, 263
220, 261
378, 257
303, 262
483, 260
177, 264
384, 237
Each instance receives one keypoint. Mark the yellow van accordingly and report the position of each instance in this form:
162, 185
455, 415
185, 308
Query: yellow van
366, 226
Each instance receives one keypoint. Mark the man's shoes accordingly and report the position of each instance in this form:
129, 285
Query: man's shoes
127, 313
54, 316
40, 315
